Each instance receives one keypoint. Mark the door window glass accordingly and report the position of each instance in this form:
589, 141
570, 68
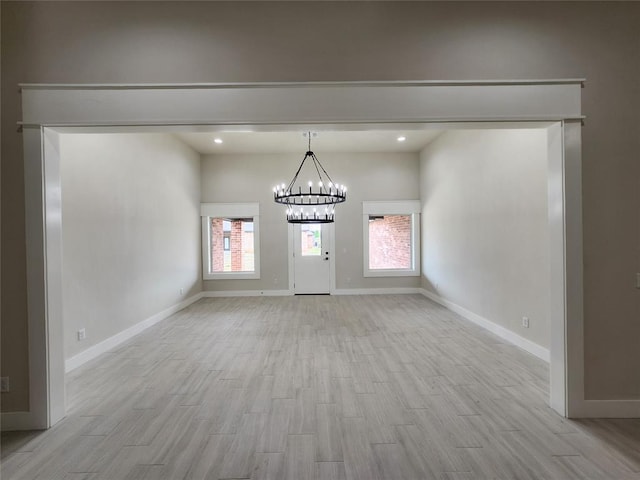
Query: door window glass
311, 239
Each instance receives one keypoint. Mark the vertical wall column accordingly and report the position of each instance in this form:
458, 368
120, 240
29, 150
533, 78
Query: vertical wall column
44, 276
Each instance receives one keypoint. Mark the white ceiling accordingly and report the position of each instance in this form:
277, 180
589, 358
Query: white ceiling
383, 141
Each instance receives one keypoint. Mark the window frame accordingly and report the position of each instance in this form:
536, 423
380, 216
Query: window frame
392, 207
229, 210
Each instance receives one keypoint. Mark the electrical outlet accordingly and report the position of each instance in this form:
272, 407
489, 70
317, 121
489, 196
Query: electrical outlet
4, 384
525, 322
182, 291
637, 280
82, 334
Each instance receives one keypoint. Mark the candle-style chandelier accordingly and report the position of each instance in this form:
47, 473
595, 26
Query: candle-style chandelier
314, 202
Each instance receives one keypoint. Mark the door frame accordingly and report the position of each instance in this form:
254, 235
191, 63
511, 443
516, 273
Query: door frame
332, 257
49, 109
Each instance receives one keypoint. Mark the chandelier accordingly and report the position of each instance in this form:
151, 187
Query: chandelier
314, 202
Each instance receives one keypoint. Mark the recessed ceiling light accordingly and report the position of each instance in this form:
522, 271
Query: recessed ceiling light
217, 140
402, 139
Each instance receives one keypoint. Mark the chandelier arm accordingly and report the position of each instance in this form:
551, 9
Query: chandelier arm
325, 172
295, 177
315, 164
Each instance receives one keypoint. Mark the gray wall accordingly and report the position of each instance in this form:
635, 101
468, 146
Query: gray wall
485, 233
131, 231
93, 42
369, 176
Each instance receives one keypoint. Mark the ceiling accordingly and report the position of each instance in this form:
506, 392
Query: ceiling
369, 141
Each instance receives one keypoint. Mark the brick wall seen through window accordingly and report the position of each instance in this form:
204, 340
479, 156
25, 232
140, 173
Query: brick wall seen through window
390, 242
236, 234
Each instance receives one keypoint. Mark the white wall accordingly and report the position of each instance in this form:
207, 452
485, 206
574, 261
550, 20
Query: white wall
131, 231
485, 228
369, 176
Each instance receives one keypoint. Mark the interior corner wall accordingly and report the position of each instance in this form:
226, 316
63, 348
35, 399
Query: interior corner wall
130, 228
369, 176
485, 234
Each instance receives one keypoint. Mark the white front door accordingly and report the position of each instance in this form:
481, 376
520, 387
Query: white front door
311, 258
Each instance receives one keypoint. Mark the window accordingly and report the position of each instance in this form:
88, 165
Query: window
311, 240
391, 238
235, 236
390, 242
230, 240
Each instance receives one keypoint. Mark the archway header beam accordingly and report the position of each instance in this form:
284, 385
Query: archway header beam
295, 103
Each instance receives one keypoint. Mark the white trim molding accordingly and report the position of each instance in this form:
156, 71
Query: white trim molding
498, 330
229, 210
411, 208
376, 291
609, 409
285, 293
18, 421
246, 293
291, 103
391, 207
119, 338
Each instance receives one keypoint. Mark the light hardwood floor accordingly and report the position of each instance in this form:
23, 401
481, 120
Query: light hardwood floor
318, 387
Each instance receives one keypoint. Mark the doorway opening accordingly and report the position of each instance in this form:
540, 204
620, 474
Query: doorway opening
49, 110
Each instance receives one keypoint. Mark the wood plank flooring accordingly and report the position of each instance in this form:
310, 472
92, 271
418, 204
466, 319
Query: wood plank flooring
387, 387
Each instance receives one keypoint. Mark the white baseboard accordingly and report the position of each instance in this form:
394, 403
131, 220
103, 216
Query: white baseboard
376, 291
500, 331
14, 421
284, 293
119, 338
607, 409
246, 293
